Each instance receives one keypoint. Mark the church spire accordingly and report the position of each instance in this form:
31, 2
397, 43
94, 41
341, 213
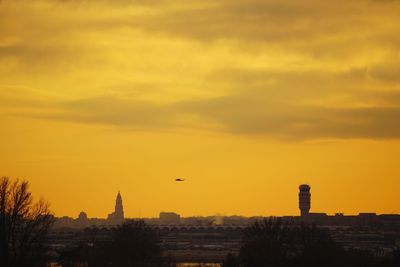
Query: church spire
117, 216
119, 208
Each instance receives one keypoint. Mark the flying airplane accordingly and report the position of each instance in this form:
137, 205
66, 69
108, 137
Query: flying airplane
179, 180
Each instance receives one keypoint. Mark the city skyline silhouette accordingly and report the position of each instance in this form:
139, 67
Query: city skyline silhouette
304, 205
178, 133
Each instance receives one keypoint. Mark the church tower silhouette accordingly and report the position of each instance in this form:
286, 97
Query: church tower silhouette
119, 209
117, 217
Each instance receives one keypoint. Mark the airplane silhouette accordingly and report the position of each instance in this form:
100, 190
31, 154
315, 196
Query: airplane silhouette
179, 180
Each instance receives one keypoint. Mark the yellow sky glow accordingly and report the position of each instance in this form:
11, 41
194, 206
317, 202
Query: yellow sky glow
244, 99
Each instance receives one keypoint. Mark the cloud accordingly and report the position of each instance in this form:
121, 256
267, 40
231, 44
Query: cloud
251, 114
258, 115
108, 110
307, 24
279, 69
306, 105
341, 30
388, 71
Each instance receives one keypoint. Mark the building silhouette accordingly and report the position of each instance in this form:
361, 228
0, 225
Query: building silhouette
82, 219
304, 199
169, 218
117, 216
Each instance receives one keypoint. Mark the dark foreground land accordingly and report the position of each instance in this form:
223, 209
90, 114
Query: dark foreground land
265, 242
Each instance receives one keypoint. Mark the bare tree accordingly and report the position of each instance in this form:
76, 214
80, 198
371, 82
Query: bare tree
24, 225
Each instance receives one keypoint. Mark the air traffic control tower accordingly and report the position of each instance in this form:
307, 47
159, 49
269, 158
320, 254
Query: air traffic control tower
304, 199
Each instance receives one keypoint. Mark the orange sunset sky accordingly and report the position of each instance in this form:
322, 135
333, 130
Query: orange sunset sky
245, 99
